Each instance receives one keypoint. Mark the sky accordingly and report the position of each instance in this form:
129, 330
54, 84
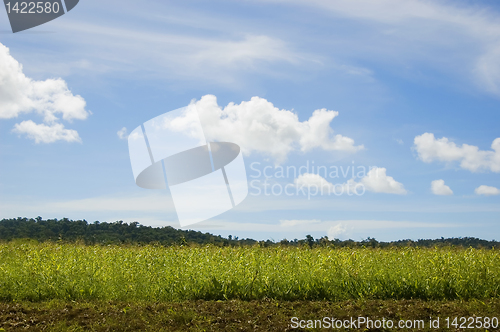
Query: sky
397, 100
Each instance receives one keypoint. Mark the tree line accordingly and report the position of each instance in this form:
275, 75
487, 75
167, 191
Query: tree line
118, 232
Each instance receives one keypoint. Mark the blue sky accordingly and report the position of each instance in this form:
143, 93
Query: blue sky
393, 71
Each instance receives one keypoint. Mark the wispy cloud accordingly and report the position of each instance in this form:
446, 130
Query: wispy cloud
220, 59
291, 223
170, 41
462, 40
331, 228
147, 203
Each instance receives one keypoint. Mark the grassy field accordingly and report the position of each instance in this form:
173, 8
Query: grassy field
69, 272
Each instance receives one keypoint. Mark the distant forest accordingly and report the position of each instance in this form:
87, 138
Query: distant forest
104, 233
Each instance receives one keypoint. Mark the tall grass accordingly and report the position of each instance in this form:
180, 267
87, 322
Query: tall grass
30, 271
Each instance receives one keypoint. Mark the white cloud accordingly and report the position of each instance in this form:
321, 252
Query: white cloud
487, 191
258, 126
50, 98
430, 149
400, 141
122, 133
42, 133
335, 231
376, 180
439, 188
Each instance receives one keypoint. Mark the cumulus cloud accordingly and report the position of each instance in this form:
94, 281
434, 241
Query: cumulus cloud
41, 133
376, 180
122, 133
335, 231
487, 191
50, 98
258, 126
430, 149
439, 188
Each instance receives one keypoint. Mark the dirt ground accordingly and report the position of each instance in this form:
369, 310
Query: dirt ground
265, 315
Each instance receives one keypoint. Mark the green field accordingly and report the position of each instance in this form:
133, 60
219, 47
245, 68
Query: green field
45, 271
